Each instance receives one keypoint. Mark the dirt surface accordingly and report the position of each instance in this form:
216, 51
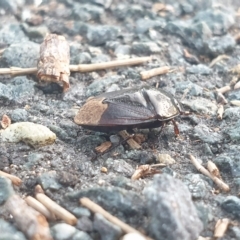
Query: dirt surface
65, 168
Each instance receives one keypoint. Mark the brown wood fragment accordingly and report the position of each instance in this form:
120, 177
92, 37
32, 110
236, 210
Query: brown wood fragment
53, 65
213, 169
204, 171
139, 138
220, 112
86, 202
32, 223
103, 147
154, 72
131, 142
189, 57
35, 204
6, 121
53, 207
221, 227
146, 170
15, 180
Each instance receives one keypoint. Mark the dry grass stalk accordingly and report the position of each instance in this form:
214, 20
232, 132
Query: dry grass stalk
15, 180
32, 223
204, 171
53, 207
107, 65
103, 147
221, 227
146, 170
35, 204
14, 71
155, 72
237, 85
235, 103
218, 59
6, 121
220, 112
53, 65
131, 142
221, 99
213, 169
86, 202
224, 89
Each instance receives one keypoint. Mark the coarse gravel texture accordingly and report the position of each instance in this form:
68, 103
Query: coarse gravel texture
180, 202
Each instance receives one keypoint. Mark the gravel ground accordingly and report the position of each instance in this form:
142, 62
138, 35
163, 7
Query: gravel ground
179, 203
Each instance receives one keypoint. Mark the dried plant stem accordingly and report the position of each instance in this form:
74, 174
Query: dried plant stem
212, 168
15, 71
132, 143
86, 202
218, 59
35, 204
221, 227
106, 65
235, 103
224, 89
220, 112
53, 207
204, 171
154, 72
15, 180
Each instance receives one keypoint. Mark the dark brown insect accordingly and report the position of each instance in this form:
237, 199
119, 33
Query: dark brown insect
128, 109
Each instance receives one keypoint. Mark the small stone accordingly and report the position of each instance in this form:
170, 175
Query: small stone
199, 69
35, 32
140, 156
115, 139
106, 229
234, 95
145, 48
6, 189
231, 204
204, 213
122, 50
28, 132
234, 132
165, 159
48, 180
120, 166
193, 89
143, 25
21, 54
205, 134
33, 160
63, 231
9, 232
84, 224
99, 35
201, 105
81, 212
11, 33
19, 115
232, 113
173, 207
197, 185
80, 235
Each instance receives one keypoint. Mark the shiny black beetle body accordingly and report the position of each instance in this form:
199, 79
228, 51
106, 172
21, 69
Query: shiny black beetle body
128, 109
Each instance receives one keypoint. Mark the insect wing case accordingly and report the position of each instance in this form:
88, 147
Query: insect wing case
130, 108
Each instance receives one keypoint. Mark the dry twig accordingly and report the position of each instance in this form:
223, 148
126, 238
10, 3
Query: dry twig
32, 223
53, 207
204, 171
224, 89
154, 72
220, 112
86, 202
35, 204
237, 85
235, 103
146, 170
15, 180
221, 99
218, 59
213, 169
132, 143
221, 227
